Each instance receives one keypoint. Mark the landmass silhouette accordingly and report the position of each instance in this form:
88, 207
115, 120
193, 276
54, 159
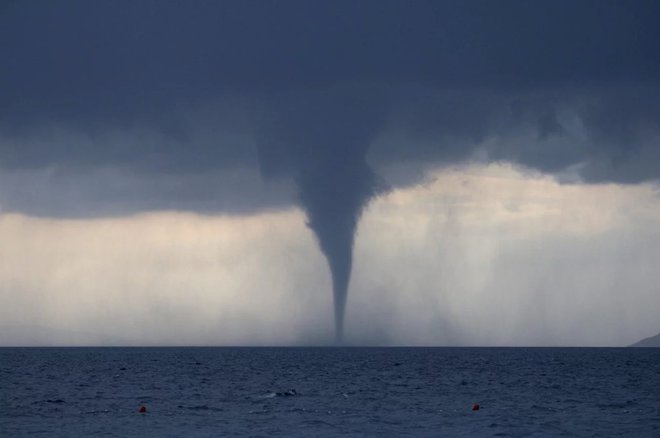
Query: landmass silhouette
653, 341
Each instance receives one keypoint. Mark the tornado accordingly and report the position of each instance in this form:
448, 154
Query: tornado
333, 196
321, 140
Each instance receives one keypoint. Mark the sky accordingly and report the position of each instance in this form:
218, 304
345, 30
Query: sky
307, 173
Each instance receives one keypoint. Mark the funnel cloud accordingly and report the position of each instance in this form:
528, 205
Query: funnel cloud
333, 197
322, 139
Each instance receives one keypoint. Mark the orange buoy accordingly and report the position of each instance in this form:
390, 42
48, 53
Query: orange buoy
476, 407
142, 409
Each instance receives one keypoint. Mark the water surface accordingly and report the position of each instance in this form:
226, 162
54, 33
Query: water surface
337, 391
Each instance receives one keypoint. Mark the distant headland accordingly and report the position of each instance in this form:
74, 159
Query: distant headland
653, 341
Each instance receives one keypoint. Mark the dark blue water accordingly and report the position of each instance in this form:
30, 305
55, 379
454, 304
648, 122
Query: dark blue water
338, 391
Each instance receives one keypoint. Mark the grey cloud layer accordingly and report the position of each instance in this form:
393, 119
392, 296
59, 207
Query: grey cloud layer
172, 91
109, 57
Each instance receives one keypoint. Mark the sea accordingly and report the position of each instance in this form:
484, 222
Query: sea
328, 391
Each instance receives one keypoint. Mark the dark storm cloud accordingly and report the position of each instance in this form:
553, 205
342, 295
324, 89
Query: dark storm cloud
607, 133
97, 66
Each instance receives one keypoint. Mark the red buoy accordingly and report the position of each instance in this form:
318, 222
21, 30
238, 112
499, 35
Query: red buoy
142, 409
476, 407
